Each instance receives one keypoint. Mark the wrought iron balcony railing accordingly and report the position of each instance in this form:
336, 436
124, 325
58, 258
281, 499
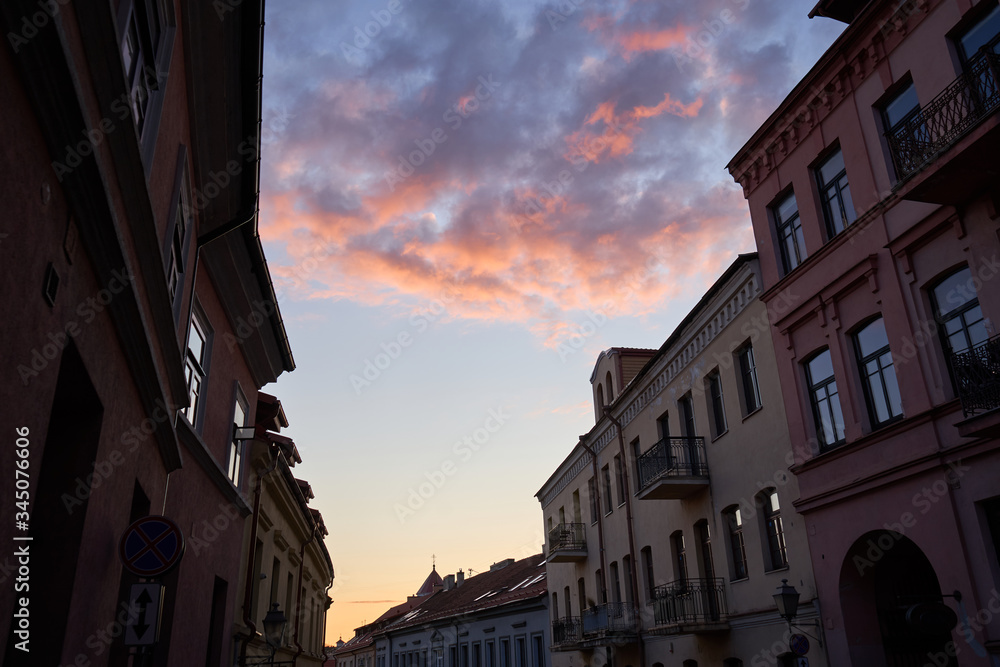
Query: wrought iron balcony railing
977, 376
568, 537
673, 457
613, 618
567, 630
929, 130
690, 602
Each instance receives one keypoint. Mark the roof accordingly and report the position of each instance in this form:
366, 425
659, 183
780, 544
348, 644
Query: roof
522, 580
433, 579
625, 351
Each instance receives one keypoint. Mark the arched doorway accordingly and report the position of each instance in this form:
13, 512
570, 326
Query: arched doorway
883, 576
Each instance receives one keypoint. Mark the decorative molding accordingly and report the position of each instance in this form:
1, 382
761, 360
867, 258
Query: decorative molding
669, 369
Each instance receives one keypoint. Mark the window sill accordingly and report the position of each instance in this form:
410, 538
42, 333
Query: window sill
740, 580
783, 568
714, 438
751, 414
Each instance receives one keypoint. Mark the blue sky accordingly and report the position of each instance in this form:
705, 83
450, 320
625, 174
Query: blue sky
463, 203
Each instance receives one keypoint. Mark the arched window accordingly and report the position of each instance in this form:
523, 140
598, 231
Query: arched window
775, 555
732, 518
600, 399
610, 388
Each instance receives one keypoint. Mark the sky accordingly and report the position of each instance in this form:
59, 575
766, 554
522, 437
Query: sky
463, 202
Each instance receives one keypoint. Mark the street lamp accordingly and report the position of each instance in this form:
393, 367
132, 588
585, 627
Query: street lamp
786, 598
274, 628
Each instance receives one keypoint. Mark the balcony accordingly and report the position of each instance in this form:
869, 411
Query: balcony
610, 623
977, 377
568, 543
945, 151
673, 468
567, 633
690, 606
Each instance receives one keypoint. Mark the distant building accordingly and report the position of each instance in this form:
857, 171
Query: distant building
291, 568
494, 619
141, 318
874, 194
359, 651
667, 539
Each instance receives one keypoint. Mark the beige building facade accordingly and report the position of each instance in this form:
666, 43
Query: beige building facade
667, 540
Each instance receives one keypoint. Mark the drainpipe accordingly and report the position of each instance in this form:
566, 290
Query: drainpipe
600, 522
631, 535
298, 593
326, 608
251, 557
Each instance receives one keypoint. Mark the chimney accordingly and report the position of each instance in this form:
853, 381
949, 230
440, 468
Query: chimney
449, 582
459, 578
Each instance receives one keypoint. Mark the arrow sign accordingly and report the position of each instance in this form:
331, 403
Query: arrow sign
144, 614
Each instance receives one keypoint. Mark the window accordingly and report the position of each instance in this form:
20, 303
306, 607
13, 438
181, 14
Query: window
647, 566
791, 243
600, 400
592, 488
566, 601
627, 573
983, 33
957, 310
490, 661
900, 106
581, 589
606, 479
718, 407
636, 453
616, 585
179, 237
991, 510
194, 367
538, 651
687, 416
611, 395
235, 463
620, 479
522, 652
835, 193
680, 557
555, 606
825, 400
771, 515
748, 378
602, 589
878, 374
905, 128
145, 22
705, 538
737, 549
505, 652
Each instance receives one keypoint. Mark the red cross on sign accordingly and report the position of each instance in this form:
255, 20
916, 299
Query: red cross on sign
151, 546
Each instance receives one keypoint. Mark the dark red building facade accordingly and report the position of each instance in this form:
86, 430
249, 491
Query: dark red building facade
141, 318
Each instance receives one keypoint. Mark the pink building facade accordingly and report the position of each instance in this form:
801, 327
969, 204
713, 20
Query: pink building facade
874, 195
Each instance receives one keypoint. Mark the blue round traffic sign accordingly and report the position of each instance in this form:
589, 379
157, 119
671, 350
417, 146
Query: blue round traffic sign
799, 644
151, 546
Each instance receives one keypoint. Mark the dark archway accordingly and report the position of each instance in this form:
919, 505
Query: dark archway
883, 575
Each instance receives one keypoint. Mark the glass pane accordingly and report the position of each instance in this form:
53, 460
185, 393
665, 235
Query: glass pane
196, 343
774, 501
905, 102
957, 342
879, 406
826, 422
820, 368
954, 291
787, 208
872, 338
977, 333
892, 387
981, 33
838, 415
953, 325
800, 242
829, 169
845, 192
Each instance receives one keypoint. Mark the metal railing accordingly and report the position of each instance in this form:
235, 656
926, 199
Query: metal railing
690, 601
977, 377
931, 129
567, 630
569, 537
617, 617
674, 457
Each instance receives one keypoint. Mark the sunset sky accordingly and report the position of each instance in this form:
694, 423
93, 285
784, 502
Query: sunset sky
463, 203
